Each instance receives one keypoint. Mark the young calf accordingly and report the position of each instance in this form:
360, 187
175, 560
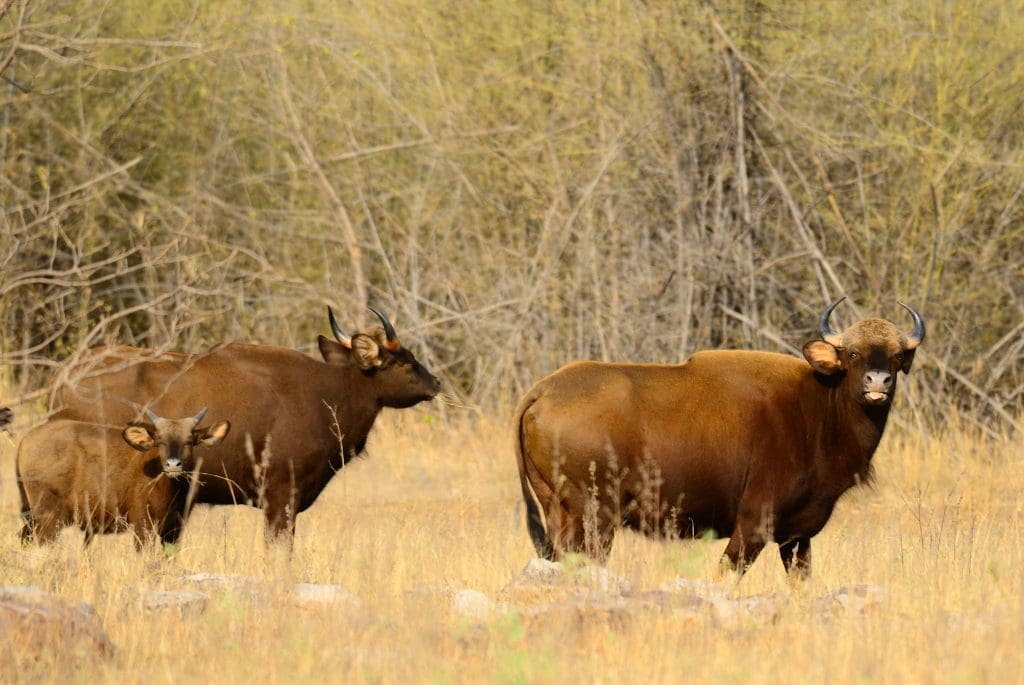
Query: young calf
77, 473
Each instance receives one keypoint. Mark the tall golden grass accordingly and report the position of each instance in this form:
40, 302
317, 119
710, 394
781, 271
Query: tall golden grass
436, 507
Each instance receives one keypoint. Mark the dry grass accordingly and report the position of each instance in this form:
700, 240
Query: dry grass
437, 505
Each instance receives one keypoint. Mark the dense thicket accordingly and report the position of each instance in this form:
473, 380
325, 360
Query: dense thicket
518, 185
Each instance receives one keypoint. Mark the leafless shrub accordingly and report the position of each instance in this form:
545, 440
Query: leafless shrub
668, 178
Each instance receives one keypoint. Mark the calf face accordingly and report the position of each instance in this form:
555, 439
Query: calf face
175, 438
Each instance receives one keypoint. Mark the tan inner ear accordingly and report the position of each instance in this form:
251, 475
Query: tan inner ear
822, 357
215, 433
139, 438
367, 351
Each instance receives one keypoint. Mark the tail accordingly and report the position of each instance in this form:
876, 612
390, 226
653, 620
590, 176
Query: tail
27, 530
534, 522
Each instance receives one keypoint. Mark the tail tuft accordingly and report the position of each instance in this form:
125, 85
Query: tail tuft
534, 522
28, 530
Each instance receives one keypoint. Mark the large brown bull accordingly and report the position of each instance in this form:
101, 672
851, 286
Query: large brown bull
755, 445
295, 420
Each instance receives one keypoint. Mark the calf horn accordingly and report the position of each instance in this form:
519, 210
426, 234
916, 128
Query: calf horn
389, 330
828, 334
336, 329
917, 336
199, 417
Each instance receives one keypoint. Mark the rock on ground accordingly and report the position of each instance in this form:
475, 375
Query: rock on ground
222, 581
312, 594
187, 602
473, 604
851, 599
695, 587
33, 622
541, 579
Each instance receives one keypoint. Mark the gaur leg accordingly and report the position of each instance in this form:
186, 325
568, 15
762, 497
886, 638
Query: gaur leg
565, 530
796, 557
749, 536
49, 516
280, 518
172, 523
143, 523
172, 528
574, 530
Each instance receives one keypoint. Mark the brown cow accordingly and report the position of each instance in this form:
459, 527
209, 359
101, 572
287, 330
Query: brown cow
756, 445
296, 420
91, 476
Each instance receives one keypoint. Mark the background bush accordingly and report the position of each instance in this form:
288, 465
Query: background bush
517, 185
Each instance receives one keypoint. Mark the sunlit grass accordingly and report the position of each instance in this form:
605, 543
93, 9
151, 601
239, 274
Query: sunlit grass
435, 508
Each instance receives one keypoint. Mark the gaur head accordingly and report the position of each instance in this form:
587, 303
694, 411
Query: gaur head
401, 380
870, 353
175, 437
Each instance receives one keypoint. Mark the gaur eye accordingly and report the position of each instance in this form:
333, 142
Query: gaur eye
853, 355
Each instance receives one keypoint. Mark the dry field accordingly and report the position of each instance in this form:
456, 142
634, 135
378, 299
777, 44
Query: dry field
435, 508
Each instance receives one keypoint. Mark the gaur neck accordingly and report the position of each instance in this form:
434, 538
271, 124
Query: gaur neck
850, 433
349, 388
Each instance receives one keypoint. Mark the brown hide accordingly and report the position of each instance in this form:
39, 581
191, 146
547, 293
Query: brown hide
83, 474
753, 445
287, 409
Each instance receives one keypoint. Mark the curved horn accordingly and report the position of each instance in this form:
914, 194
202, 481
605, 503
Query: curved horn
829, 334
389, 330
336, 329
152, 417
917, 336
199, 417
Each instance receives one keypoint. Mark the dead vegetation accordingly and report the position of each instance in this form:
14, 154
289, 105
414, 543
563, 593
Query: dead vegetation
515, 186
518, 185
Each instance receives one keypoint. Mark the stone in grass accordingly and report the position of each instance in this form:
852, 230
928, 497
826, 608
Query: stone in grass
473, 604
732, 614
33, 622
186, 602
232, 582
852, 600
694, 587
319, 594
618, 611
541, 579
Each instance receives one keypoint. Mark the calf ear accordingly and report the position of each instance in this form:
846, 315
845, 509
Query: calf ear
367, 351
139, 437
332, 352
823, 357
211, 436
908, 359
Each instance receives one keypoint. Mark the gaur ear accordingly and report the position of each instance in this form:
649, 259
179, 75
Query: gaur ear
333, 352
211, 436
822, 357
367, 351
139, 437
908, 359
